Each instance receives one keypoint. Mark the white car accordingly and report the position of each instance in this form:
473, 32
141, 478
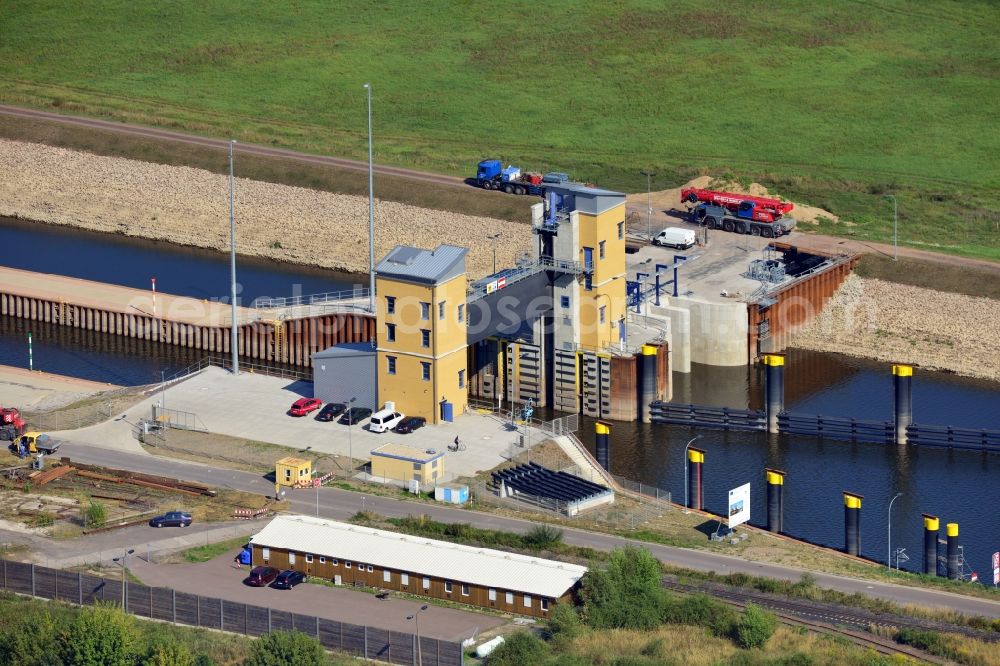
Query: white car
383, 420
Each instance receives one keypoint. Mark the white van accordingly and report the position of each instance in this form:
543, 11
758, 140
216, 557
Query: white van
675, 237
383, 420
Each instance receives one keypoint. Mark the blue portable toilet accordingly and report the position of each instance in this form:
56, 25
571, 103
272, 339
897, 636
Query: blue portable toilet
245, 557
447, 411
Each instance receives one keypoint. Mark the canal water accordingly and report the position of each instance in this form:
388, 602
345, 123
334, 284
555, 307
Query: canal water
957, 486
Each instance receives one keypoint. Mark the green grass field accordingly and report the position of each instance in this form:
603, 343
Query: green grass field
832, 103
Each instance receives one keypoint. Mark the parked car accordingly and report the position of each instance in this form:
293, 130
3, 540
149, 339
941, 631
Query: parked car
172, 519
409, 424
286, 580
331, 411
384, 420
303, 406
262, 576
354, 415
675, 237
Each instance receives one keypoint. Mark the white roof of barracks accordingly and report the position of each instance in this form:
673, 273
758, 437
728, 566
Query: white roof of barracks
419, 555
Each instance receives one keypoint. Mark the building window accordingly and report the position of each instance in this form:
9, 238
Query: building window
265, 554
545, 604
441, 308
390, 332
391, 364
527, 601
309, 558
509, 598
335, 562
492, 594
390, 304
465, 589
404, 579
322, 559
588, 282
425, 371
370, 568
417, 467
600, 247
425, 311
461, 379
564, 302
387, 576
347, 564
425, 338
461, 312
621, 230
603, 311
427, 583
447, 586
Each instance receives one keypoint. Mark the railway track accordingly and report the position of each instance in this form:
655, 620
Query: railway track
833, 619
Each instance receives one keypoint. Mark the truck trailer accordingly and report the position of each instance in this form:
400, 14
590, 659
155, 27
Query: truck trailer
761, 209
719, 217
490, 175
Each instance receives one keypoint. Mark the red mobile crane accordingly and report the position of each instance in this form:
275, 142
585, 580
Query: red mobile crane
759, 209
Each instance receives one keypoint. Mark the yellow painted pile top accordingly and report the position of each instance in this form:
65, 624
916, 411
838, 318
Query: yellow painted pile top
602, 428
952, 529
931, 523
902, 370
852, 501
774, 359
775, 477
696, 455
648, 350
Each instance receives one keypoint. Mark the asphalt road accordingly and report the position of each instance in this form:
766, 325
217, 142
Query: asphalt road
341, 504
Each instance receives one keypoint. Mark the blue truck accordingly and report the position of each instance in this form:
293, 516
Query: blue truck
491, 175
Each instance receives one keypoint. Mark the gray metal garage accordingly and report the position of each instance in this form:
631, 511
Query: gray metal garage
346, 371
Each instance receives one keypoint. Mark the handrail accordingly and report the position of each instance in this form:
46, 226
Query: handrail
357, 293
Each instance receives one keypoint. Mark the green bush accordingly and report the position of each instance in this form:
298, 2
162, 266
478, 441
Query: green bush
96, 514
518, 649
564, 623
101, 635
169, 654
29, 640
626, 593
543, 537
701, 610
286, 648
755, 627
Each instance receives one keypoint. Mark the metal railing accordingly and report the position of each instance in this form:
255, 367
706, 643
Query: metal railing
708, 417
324, 298
955, 438
226, 363
169, 605
836, 427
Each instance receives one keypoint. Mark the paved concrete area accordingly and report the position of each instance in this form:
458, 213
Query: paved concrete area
219, 578
254, 406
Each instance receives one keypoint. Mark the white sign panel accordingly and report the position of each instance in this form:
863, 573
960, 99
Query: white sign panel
739, 505
996, 568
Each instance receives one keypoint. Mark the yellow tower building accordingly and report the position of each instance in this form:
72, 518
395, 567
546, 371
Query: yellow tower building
422, 317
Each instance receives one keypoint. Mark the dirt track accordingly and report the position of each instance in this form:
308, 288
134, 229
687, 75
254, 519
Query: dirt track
191, 207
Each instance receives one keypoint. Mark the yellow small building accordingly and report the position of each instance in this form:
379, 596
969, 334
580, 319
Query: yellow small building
294, 472
399, 462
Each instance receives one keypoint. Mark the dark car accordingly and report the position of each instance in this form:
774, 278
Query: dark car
355, 415
409, 424
286, 580
172, 519
262, 576
331, 411
303, 406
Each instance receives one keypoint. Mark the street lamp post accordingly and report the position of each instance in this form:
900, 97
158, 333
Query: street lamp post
232, 260
124, 561
888, 559
895, 219
416, 619
371, 207
494, 238
350, 424
686, 447
649, 202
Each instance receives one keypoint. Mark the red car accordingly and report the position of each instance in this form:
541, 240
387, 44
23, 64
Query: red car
303, 406
262, 576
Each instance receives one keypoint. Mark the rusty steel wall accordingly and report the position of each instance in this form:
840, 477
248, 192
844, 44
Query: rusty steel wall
302, 337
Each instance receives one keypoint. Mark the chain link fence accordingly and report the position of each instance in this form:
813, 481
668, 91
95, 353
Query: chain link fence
169, 605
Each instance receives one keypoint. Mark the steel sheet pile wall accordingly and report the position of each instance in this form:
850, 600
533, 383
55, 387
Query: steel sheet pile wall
183, 608
290, 341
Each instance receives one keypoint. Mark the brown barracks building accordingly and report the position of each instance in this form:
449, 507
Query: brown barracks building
350, 554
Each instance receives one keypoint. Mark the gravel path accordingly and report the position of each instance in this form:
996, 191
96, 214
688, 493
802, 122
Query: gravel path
899, 323
191, 207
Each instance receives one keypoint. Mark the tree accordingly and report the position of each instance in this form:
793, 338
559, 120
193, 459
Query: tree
101, 635
627, 593
755, 627
96, 514
564, 623
286, 648
29, 641
518, 649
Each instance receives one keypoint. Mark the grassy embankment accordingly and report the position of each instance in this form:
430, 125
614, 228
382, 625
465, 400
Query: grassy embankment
830, 105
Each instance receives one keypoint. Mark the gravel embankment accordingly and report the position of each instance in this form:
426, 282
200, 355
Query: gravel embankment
191, 207
899, 323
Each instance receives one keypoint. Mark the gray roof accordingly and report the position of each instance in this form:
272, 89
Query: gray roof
346, 349
591, 200
414, 264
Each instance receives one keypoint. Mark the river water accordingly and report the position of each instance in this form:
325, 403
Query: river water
958, 486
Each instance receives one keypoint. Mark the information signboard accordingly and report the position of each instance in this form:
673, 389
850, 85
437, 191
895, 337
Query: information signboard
739, 506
